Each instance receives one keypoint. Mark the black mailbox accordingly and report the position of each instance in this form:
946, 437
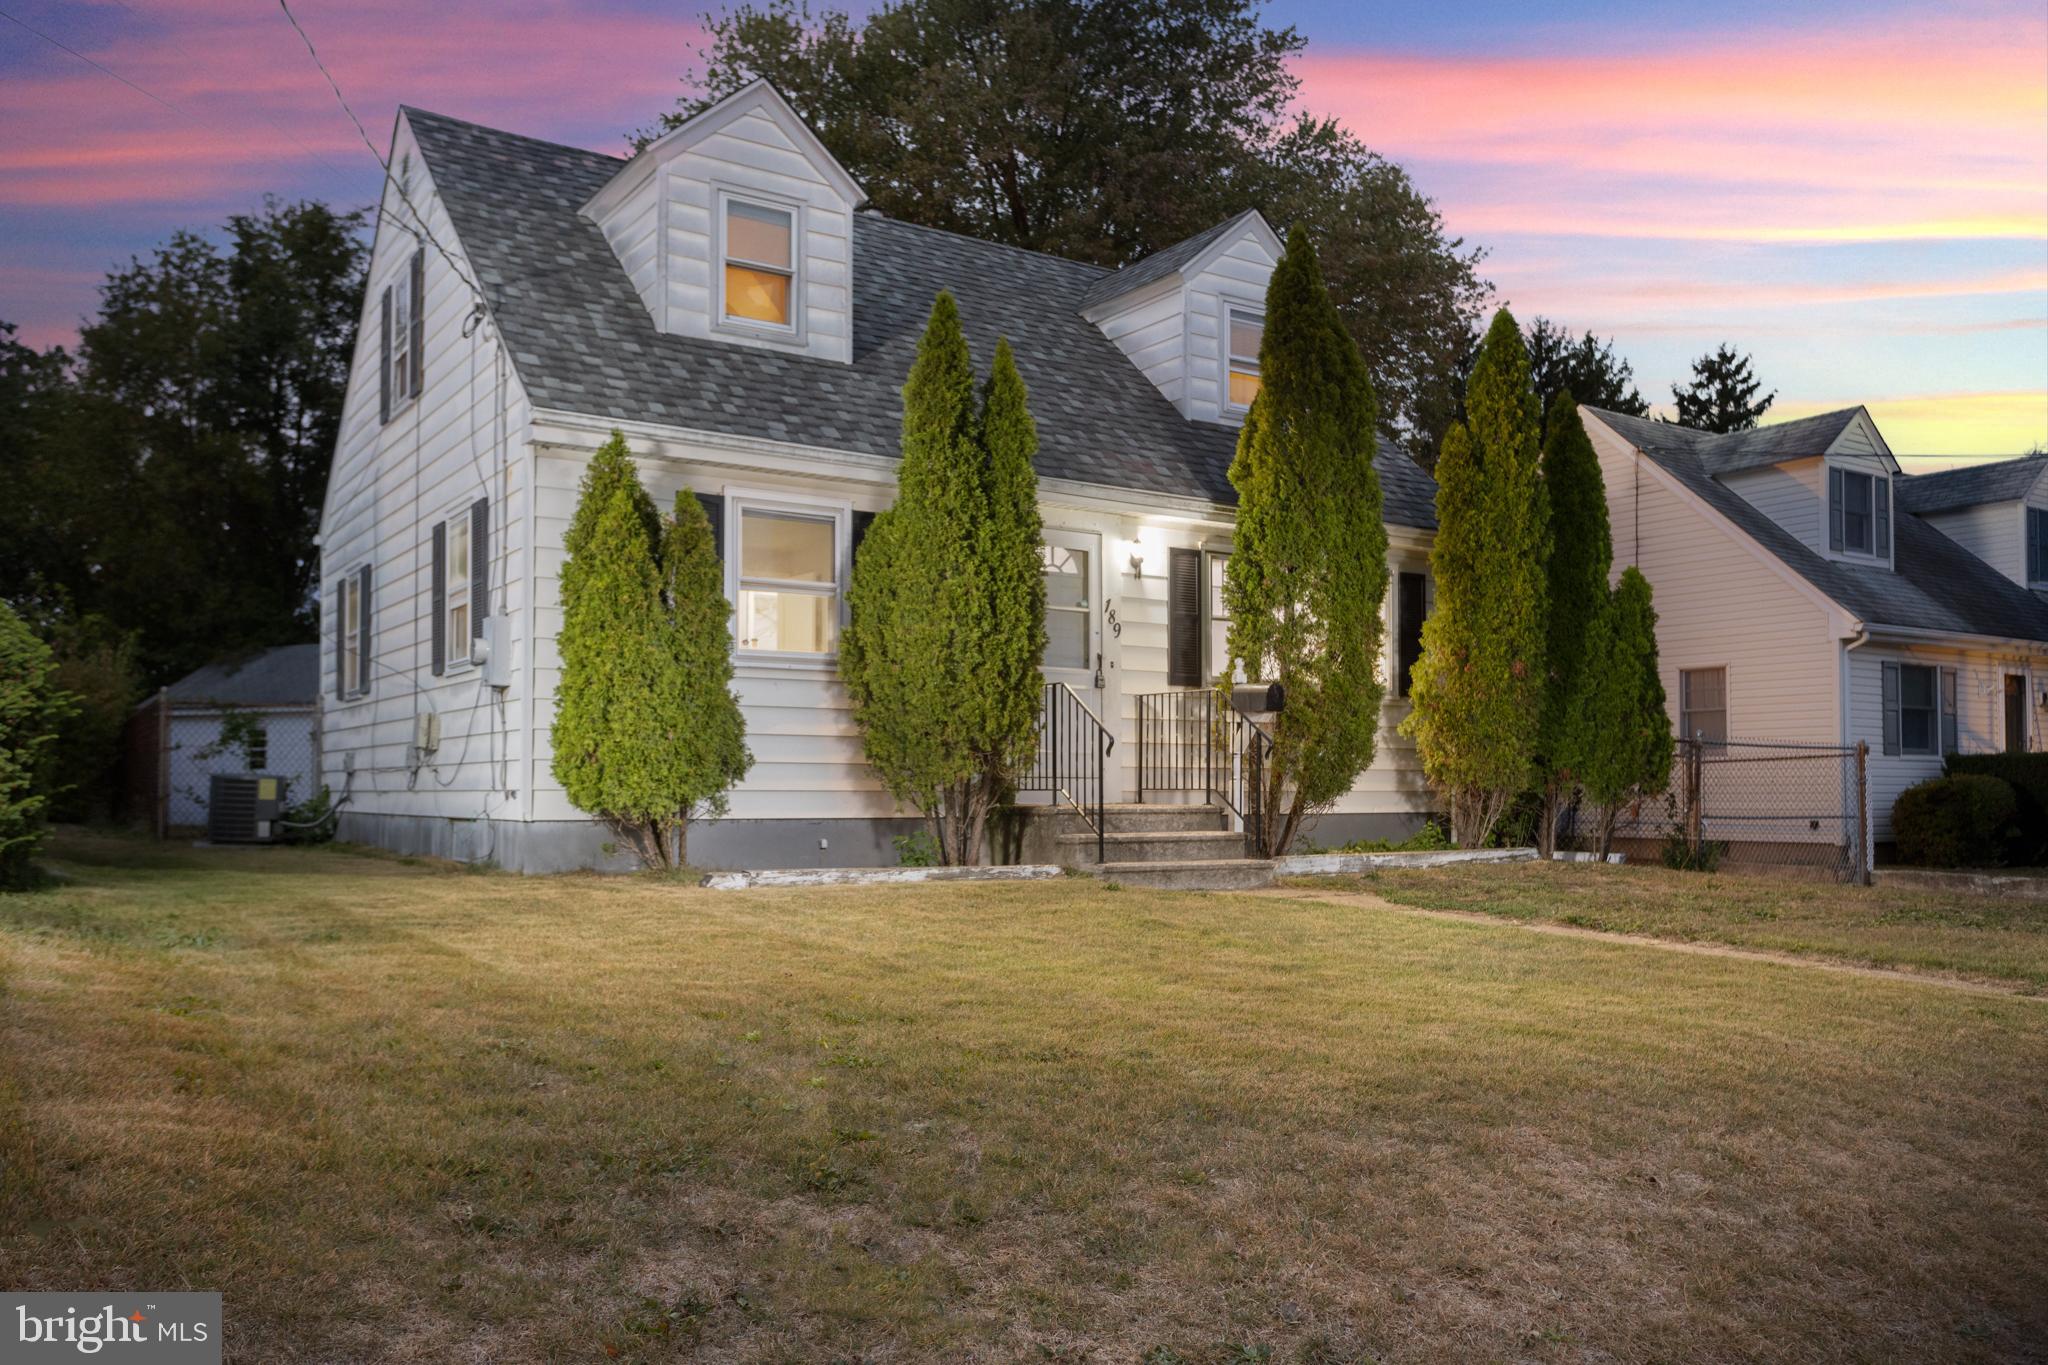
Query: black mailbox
1259, 698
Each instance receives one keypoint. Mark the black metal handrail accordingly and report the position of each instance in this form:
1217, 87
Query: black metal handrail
1072, 757
1192, 742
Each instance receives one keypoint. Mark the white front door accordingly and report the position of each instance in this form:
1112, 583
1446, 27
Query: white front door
1072, 564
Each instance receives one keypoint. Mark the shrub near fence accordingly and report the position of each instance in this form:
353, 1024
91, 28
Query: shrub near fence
1963, 821
2028, 776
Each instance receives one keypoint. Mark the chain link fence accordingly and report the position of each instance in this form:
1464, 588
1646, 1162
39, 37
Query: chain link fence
1756, 805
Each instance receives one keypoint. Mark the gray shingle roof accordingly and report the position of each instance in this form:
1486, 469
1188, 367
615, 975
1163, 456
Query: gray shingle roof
1159, 264
1999, 481
583, 341
1937, 584
1726, 452
284, 676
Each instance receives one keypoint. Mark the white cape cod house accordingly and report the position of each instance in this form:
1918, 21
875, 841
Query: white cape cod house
723, 299
1808, 591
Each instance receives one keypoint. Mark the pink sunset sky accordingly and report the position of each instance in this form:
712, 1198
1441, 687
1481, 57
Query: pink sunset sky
1856, 194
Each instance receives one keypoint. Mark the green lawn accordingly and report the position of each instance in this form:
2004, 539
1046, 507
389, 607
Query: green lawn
398, 1112
1935, 931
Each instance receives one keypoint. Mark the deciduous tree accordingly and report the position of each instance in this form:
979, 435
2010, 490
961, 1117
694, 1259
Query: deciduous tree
1478, 688
1308, 569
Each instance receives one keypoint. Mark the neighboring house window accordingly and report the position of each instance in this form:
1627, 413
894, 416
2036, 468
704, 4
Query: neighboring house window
760, 264
1703, 704
1859, 513
458, 588
1411, 609
1065, 569
1245, 330
258, 749
2037, 544
1912, 708
404, 327
788, 582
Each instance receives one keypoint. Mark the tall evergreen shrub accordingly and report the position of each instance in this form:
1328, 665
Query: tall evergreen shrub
1581, 553
647, 732
1478, 689
947, 604
1308, 568
31, 710
1630, 750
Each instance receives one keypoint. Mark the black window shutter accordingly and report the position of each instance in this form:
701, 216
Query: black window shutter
2037, 545
1948, 711
384, 362
479, 566
1834, 509
341, 639
1881, 494
439, 599
1891, 708
362, 679
1184, 618
861, 522
714, 508
419, 321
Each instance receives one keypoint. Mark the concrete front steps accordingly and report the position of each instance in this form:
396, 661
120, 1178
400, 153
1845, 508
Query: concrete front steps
1182, 847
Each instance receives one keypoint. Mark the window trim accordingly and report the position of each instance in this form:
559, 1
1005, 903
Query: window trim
783, 502
356, 682
455, 648
792, 331
1230, 306
1685, 731
1831, 469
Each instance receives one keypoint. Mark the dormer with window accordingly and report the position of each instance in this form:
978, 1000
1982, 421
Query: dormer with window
1997, 510
1827, 479
1191, 316
1859, 511
737, 226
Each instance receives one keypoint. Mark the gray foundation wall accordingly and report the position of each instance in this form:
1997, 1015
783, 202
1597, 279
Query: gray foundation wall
580, 845
718, 845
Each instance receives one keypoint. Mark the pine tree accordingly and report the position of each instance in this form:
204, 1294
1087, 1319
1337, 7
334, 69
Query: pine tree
1721, 395
947, 605
647, 732
1630, 749
1308, 570
1581, 553
31, 709
1478, 688
1588, 367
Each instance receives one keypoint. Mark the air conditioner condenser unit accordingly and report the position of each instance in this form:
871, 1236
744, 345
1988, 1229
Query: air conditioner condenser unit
243, 808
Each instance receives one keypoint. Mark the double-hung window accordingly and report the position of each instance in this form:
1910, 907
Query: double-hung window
2037, 545
352, 634
1703, 704
404, 335
760, 265
1244, 331
457, 581
788, 582
257, 749
1919, 713
1859, 513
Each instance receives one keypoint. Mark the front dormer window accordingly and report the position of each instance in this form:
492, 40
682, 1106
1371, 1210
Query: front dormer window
1246, 330
760, 264
1859, 513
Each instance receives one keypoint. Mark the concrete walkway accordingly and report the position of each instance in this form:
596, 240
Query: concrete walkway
1364, 900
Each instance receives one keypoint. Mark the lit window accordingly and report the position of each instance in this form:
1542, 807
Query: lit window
1066, 605
760, 265
458, 588
1247, 330
789, 583
352, 634
1703, 704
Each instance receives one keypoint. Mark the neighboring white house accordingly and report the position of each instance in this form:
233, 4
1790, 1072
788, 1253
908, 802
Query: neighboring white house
1808, 590
255, 715
724, 300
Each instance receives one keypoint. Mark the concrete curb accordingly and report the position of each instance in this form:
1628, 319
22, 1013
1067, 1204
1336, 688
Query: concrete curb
1324, 864
876, 876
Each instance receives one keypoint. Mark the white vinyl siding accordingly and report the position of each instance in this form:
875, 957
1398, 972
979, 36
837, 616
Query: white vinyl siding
1979, 713
1234, 276
1149, 328
1792, 494
1995, 532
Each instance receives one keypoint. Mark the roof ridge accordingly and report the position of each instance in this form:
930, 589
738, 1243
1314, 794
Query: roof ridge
507, 132
876, 215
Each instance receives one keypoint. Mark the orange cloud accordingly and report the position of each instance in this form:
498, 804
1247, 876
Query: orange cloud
1945, 424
